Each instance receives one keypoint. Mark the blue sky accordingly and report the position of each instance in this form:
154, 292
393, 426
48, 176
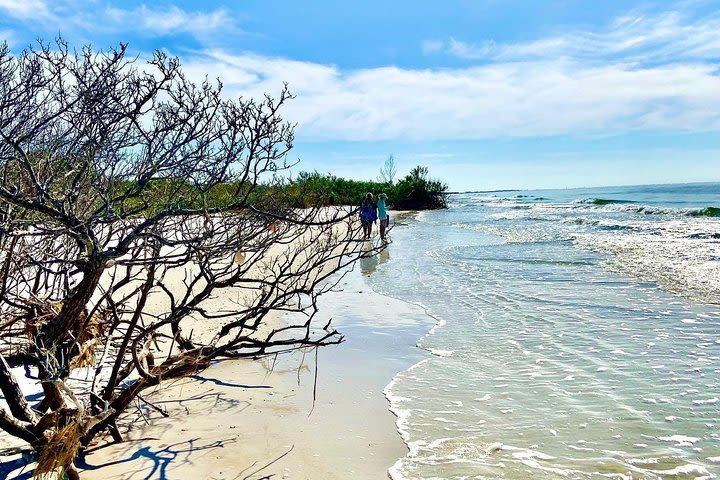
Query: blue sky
486, 93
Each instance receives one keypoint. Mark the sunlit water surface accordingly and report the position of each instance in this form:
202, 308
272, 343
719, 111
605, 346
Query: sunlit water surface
577, 336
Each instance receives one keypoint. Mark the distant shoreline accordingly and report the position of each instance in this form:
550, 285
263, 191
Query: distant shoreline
534, 189
485, 191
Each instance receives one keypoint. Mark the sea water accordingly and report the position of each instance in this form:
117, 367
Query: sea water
577, 335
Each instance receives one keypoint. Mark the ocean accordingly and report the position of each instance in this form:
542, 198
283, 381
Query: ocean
577, 334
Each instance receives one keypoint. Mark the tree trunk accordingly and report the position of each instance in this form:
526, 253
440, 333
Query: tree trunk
17, 428
70, 316
14, 397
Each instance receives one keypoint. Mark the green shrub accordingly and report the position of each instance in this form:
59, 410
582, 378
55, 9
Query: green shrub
414, 192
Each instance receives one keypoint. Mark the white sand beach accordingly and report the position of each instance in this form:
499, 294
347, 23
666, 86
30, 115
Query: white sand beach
254, 419
245, 419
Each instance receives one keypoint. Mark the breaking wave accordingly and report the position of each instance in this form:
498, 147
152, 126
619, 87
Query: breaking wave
602, 201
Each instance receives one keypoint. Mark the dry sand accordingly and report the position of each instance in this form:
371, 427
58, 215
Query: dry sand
247, 419
244, 419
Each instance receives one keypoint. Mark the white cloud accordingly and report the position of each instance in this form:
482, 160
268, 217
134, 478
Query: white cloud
25, 9
67, 15
169, 20
577, 84
666, 36
464, 50
511, 99
582, 83
432, 46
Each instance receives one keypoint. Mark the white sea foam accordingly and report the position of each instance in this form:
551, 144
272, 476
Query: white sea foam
578, 359
671, 247
643, 461
526, 453
689, 469
669, 255
680, 439
440, 353
493, 447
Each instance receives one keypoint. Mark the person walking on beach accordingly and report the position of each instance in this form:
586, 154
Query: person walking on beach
382, 215
368, 214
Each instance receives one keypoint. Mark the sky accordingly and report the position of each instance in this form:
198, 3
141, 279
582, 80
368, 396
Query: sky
489, 94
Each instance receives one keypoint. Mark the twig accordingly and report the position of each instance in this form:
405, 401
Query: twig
314, 382
162, 412
266, 465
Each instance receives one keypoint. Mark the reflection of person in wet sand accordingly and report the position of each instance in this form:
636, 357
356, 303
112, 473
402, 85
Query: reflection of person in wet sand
384, 255
369, 261
369, 264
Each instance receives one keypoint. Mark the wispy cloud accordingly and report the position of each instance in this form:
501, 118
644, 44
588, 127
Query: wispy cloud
169, 20
433, 46
503, 99
642, 72
66, 16
25, 9
640, 37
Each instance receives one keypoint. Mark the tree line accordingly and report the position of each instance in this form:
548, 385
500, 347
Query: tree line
415, 191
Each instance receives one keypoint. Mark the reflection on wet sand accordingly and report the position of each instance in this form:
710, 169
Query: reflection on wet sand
369, 264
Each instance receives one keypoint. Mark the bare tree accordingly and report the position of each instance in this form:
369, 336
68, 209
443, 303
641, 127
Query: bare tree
388, 171
132, 201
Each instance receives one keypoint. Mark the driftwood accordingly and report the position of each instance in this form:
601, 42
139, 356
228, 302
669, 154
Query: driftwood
130, 201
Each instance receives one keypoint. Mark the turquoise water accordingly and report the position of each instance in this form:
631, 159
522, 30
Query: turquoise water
577, 336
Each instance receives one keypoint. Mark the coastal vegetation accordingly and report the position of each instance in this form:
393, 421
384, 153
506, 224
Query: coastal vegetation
415, 191
130, 200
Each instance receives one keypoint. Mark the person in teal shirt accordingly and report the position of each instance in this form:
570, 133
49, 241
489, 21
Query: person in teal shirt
382, 214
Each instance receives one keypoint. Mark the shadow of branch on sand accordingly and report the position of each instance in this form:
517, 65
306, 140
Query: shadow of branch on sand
21, 466
209, 400
161, 458
143, 458
223, 383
